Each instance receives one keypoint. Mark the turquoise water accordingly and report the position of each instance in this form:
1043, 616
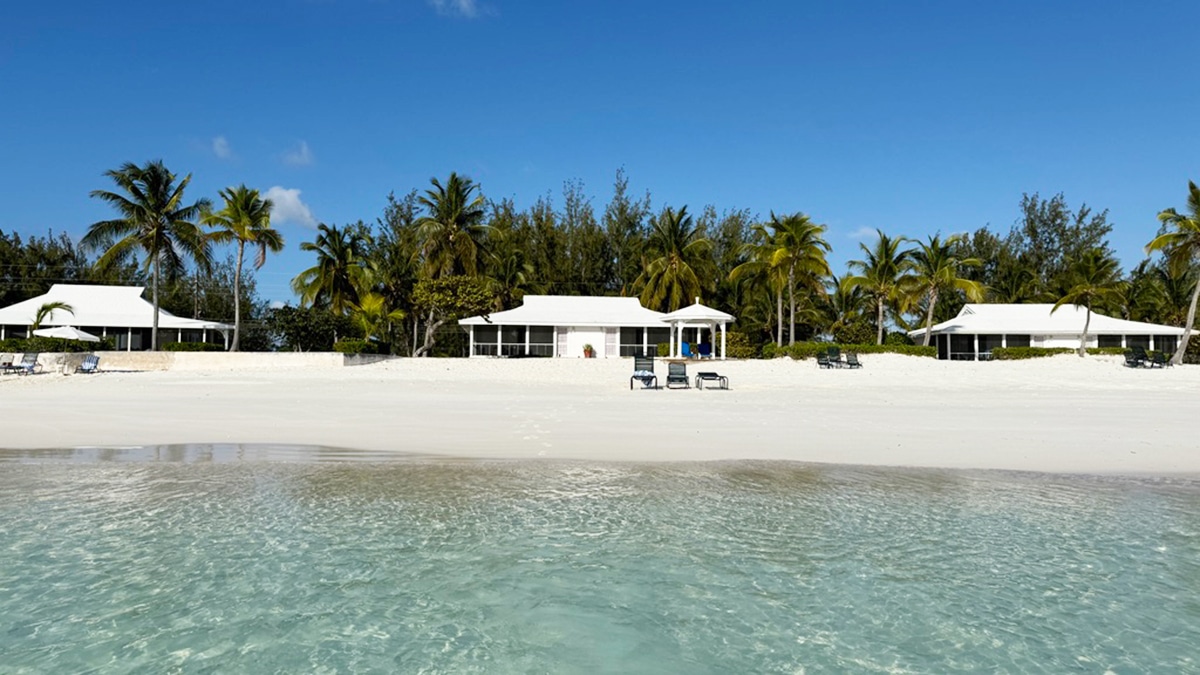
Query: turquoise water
198, 560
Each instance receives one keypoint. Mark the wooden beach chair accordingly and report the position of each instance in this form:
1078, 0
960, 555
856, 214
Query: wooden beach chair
852, 360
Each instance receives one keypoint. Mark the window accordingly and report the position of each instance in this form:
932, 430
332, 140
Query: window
1166, 343
962, 347
541, 340
512, 340
485, 340
631, 341
1142, 341
1108, 341
1017, 340
989, 342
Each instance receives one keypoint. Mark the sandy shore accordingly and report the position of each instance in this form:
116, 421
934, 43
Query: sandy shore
1062, 414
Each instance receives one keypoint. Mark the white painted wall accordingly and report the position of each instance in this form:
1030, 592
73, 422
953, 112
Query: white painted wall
578, 336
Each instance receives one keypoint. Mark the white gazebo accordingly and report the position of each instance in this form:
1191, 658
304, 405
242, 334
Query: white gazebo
119, 312
696, 316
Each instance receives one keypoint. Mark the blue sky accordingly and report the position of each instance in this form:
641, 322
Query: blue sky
912, 117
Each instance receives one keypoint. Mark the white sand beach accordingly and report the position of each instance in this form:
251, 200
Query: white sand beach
1062, 414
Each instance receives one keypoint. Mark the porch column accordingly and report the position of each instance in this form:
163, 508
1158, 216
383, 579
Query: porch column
499, 341
526, 340
129, 339
471, 341
975, 339
722, 340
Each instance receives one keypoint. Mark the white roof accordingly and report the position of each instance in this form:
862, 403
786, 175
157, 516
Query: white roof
572, 310
1037, 319
106, 306
698, 312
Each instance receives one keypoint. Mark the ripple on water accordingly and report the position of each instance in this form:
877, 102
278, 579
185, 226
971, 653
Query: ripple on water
207, 561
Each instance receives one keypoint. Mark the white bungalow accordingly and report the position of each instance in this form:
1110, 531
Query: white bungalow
117, 311
561, 325
980, 328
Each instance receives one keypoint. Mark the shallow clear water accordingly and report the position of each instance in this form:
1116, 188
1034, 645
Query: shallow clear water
211, 560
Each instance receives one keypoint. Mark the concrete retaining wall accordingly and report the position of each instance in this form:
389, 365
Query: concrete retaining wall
198, 361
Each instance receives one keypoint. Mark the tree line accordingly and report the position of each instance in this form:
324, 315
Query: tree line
438, 254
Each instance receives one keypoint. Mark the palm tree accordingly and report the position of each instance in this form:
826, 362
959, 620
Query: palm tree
1182, 246
670, 279
1095, 277
882, 275
46, 309
452, 232
843, 306
761, 271
334, 282
800, 249
935, 270
246, 219
155, 219
375, 317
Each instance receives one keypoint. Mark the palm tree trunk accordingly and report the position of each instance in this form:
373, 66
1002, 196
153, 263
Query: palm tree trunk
154, 296
1187, 333
933, 298
879, 318
792, 303
237, 296
1083, 340
779, 317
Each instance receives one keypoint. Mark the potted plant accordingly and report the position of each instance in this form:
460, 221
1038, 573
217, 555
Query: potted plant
588, 352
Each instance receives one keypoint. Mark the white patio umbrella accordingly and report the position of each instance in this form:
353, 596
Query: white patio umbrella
66, 333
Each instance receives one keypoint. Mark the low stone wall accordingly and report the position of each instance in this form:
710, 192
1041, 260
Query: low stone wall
202, 361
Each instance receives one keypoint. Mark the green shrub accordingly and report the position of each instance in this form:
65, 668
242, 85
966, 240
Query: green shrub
897, 338
809, 350
771, 351
191, 347
1021, 353
354, 347
1192, 355
738, 346
663, 349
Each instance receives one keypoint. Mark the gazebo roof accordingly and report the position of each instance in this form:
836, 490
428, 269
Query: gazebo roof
698, 313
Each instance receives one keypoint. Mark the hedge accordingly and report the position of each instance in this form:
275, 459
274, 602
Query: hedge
808, 350
354, 347
1021, 353
191, 347
53, 345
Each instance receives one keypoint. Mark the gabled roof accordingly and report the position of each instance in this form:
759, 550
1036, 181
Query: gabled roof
107, 306
1037, 319
572, 310
698, 312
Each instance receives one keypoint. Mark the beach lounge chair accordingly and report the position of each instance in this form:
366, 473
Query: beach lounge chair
721, 381
1158, 360
705, 350
685, 350
852, 360
1140, 356
823, 360
90, 363
677, 376
643, 371
29, 364
835, 356
6, 361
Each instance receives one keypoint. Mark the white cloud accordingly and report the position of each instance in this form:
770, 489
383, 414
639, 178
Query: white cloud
278, 304
468, 9
301, 155
221, 147
863, 233
287, 207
